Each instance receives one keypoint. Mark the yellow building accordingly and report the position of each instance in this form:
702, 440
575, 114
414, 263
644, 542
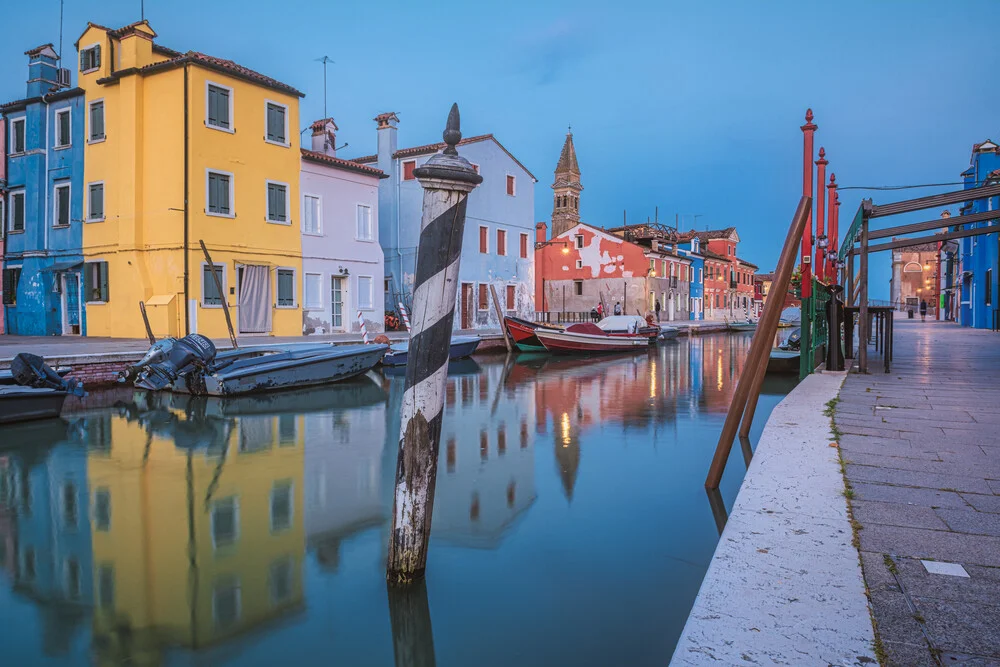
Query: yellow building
183, 148
197, 529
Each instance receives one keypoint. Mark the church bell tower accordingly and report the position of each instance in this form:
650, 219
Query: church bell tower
566, 200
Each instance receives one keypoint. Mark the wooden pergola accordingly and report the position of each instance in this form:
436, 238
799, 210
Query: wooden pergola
860, 234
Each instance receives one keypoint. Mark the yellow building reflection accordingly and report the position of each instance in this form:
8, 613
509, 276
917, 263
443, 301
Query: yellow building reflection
197, 525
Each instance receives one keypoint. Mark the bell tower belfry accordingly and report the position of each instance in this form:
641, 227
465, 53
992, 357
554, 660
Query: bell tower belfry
567, 187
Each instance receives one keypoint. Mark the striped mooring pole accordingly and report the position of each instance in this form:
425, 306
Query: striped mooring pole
447, 179
405, 316
364, 328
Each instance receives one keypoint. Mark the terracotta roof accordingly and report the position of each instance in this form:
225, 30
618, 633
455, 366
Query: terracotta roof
711, 234
130, 28
162, 50
764, 277
18, 105
434, 148
746, 263
38, 49
708, 254
341, 163
89, 26
211, 62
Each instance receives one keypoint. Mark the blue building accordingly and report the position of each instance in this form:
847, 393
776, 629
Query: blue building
42, 207
498, 247
978, 270
691, 249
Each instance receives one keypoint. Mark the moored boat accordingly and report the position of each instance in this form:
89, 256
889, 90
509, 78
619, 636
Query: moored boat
38, 393
668, 332
588, 337
629, 326
743, 326
461, 347
523, 333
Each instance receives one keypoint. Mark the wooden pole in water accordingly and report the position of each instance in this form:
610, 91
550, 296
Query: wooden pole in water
760, 345
503, 327
410, 619
447, 179
222, 295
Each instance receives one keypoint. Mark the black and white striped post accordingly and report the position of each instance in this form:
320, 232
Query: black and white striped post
447, 179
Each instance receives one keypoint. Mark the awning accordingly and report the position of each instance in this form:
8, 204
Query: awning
63, 266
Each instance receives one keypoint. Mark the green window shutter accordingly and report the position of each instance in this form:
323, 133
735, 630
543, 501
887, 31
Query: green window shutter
286, 287
96, 201
224, 194
88, 282
213, 193
97, 56
97, 121
213, 105
17, 212
63, 218
270, 201
83, 60
218, 107
103, 275
271, 133
212, 296
280, 203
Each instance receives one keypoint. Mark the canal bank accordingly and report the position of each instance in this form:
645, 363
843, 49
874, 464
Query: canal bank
785, 584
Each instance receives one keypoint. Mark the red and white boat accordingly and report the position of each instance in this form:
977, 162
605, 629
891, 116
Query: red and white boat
589, 337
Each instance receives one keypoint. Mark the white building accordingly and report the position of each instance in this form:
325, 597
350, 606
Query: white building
342, 264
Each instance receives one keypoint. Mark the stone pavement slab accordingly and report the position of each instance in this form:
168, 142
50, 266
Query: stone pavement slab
923, 444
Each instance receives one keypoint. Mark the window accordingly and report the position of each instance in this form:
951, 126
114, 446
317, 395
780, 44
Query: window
106, 587
989, 287
484, 239
484, 297
219, 186
96, 282
210, 295
510, 185
225, 522
365, 232
408, 168
219, 107
11, 276
579, 263
313, 288
280, 581
102, 510
277, 126
72, 578
501, 242
95, 202
226, 601
579, 240
60, 214
524, 246
511, 293
70, 507
96, 121
694, 245
281, 506
365, 293
277, 202
578, 287
15, 212
701, 275
311, 215
64, 129
286, 288
17, 136
90, 58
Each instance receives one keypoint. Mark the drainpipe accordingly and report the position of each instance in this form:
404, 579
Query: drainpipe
45, 210
187, 308
399, 253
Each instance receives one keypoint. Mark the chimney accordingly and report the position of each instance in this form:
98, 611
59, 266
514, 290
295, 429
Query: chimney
386, 140
540, 229
324, 137
43, 70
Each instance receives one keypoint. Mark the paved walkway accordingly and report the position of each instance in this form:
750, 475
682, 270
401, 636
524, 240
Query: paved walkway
922, 446
784, 586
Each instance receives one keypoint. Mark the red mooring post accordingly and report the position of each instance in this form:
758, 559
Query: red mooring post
808, 130
819, 260
835, 235
831, 229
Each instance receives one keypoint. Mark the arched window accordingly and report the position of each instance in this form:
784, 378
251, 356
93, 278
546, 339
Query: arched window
912, 267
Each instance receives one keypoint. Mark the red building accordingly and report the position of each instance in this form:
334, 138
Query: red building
729, 283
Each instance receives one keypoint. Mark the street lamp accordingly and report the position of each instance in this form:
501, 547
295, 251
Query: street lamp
822, 242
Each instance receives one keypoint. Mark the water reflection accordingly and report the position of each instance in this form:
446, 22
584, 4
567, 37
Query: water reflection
242, 531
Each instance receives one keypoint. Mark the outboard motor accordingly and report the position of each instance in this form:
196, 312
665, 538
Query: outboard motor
29, 370
171, 358
794, 341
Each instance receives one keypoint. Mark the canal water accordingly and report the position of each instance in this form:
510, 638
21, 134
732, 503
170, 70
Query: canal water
570, 525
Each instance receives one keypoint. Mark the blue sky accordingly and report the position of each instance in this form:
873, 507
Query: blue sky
693, 107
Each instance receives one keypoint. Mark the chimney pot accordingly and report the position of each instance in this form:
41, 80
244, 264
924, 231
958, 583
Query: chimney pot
324, 137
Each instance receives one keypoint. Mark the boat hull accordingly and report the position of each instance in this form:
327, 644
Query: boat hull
783, 361
320, 368
20, 404
523, 333
461, 347
742, 327
567, 342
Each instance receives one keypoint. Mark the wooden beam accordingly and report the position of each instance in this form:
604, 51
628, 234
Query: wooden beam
934, 238
934, 201
863, 304
939, 223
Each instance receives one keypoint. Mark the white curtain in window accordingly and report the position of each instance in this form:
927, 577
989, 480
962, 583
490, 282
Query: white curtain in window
310, 216
364, 292
313, 290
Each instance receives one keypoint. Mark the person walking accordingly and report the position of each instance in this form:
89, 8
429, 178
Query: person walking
618, 307
923, 310
658, 308
600, 312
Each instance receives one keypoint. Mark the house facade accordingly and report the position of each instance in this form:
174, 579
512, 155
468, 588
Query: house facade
729, 291
43, 205
342, 261
914, 277
978, 270
184, 148
669, 274
499, 223
3, 201
691, 249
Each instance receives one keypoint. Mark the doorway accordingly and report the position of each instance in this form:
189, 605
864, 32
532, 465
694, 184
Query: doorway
254, 299
466, 303
337, 303
71, 304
